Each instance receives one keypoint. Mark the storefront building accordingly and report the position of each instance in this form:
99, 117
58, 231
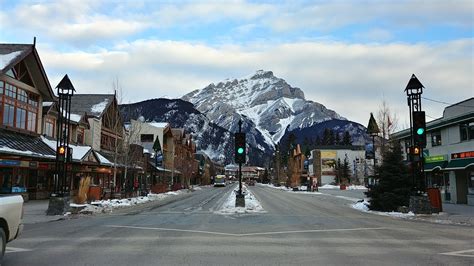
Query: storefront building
449, 153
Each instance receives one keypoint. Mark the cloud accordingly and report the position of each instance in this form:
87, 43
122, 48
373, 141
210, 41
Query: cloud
352, 79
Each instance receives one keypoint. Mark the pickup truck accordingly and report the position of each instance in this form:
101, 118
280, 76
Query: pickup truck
11, 215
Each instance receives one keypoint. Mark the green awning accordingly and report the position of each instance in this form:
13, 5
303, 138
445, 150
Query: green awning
459, 164
435, 166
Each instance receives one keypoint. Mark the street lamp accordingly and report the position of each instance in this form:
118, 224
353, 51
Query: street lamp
60, 198
373, 130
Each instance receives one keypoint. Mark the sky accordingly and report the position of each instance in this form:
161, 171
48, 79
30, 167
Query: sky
347, 55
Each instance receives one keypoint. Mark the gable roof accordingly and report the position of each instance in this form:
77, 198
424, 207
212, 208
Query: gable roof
91, 104
12, 54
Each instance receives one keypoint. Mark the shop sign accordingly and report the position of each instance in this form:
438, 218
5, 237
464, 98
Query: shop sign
462, 155
329, 154
436, 158
9, 163
34, 165
45, 166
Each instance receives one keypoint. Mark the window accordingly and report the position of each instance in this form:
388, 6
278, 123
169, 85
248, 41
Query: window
80, 135
22, 96
20, 118
10, 91
8, 115
436, 138
31, 121
467, 131
146, 138
49, 128
20, 108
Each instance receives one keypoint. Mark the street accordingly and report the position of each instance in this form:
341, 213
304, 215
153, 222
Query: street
299, 229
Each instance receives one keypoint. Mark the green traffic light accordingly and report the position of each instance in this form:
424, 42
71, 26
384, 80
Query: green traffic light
420, 131
240, 150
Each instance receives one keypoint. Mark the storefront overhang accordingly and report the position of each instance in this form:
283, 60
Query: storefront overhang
460, 164
435, 166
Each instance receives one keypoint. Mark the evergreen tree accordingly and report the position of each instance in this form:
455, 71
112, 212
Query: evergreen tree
347, 139
337, 140
332, 138
326, 137
394, 184
317, 141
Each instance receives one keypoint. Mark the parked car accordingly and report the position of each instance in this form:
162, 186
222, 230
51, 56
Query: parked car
11, 215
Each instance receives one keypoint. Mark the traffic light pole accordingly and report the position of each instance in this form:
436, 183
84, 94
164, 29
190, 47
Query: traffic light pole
240, 164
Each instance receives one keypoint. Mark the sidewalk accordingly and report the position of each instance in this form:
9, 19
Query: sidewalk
35, 212
452, 214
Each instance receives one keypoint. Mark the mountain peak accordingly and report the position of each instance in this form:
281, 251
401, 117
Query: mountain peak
262, 74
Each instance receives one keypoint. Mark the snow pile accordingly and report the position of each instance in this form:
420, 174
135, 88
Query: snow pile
301, 189
99, 108
364, 207
103, 206
355, 187
252, 205
327, 186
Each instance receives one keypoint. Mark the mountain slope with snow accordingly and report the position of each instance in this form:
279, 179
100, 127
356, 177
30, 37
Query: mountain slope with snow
262, 99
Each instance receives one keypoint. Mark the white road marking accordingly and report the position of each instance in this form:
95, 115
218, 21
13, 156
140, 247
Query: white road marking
13, 250
460, 253
248, 234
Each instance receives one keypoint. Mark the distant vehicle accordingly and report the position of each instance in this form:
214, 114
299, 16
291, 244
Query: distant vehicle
11, 215
251, 182
219, 181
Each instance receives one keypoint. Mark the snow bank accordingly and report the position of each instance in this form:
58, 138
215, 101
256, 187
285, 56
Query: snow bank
103, 206
364, 207
301, 189
252, 205
327, 186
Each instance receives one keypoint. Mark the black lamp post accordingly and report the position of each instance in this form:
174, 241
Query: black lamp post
414, 89
373, 130
59, 201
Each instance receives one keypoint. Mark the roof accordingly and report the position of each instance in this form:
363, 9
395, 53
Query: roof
12, 54
22, 144
78, 152
91, 104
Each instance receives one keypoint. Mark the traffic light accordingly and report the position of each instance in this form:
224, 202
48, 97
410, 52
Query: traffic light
415, 153
61, 153
419, 129
240, 155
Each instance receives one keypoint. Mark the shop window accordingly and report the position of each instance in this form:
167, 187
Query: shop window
436, 138
146, 138
22, 96
2, 87
471, 182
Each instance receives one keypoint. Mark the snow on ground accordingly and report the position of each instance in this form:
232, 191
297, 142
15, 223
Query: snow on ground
103, 206
364, 207
301, 189
252, 205
351, 187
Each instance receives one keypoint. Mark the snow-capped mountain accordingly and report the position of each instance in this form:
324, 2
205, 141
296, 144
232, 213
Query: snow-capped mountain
262, 99
216, 141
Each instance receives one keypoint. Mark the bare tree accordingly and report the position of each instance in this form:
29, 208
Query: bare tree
387, 120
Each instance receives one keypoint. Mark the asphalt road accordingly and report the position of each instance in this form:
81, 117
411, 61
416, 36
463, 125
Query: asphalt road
299, 229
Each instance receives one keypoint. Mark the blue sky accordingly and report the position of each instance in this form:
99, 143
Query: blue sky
343, 54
